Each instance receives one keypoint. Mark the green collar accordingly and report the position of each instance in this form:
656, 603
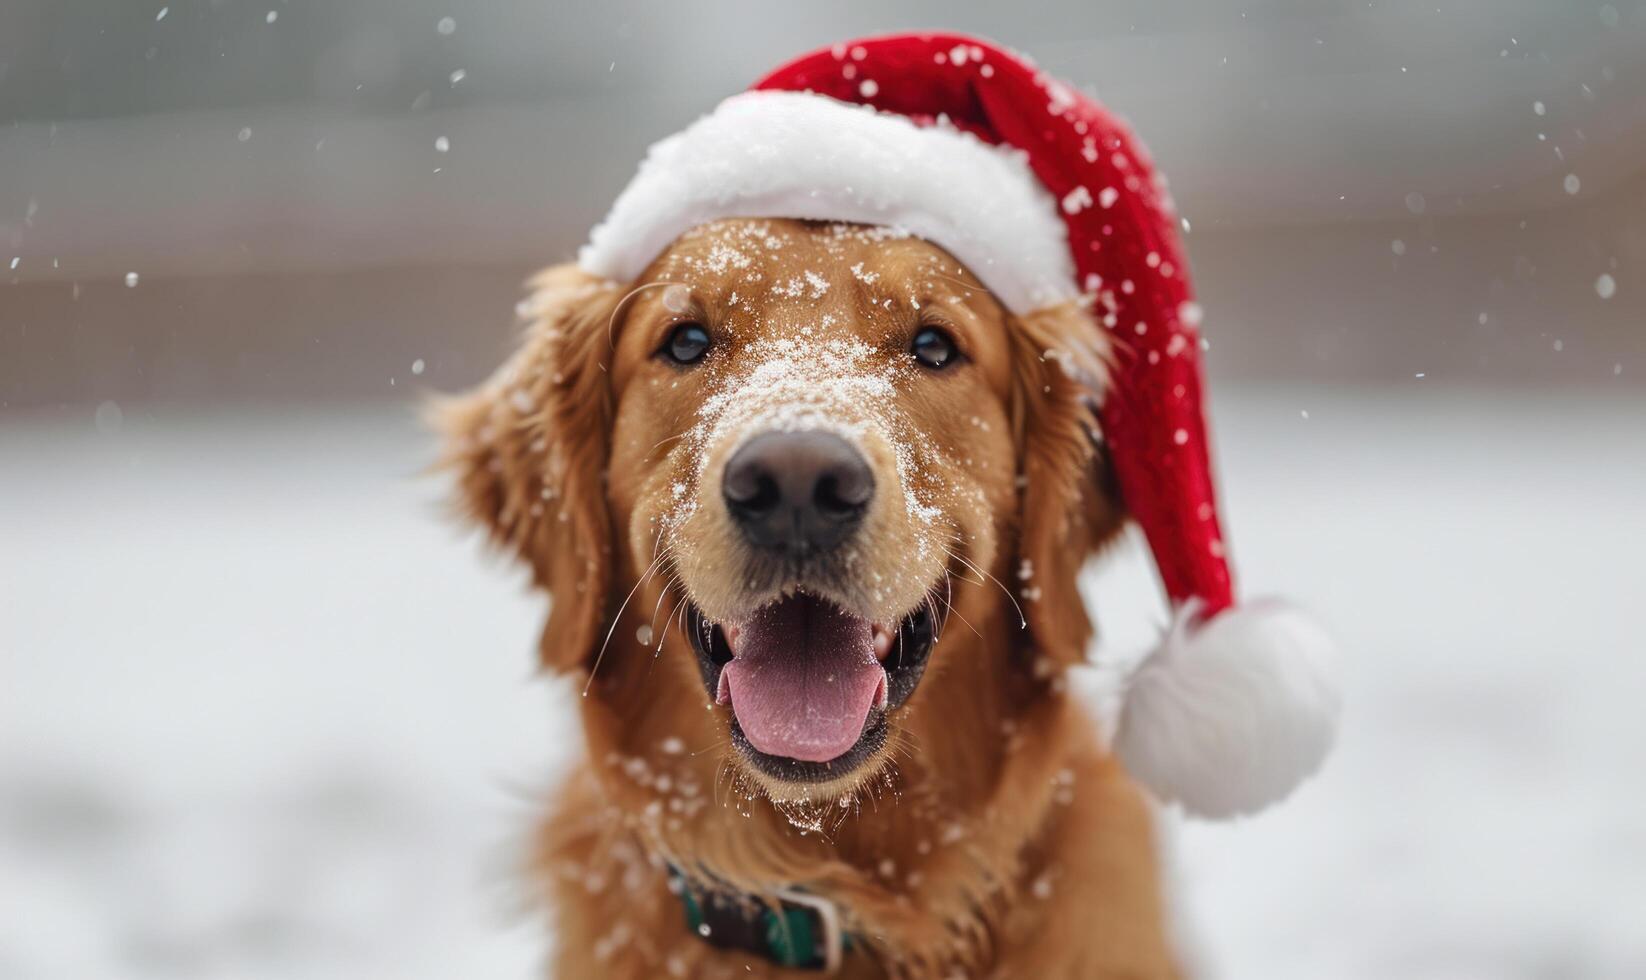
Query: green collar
798, 930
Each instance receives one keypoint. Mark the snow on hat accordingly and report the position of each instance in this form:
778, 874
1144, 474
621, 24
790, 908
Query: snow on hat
1047, 198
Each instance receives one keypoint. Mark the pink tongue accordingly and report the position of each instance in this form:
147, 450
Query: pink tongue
802, 679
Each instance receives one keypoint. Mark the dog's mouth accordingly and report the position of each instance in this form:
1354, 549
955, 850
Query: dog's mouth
810, 684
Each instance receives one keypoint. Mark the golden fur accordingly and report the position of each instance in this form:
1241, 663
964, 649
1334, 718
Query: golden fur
992, 837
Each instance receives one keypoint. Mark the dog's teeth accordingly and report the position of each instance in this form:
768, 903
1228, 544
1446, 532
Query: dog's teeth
882, 642
723, 691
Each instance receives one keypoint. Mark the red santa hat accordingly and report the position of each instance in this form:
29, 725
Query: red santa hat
1047, 198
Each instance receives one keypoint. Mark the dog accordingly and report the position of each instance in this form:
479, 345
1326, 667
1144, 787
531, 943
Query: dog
809, 504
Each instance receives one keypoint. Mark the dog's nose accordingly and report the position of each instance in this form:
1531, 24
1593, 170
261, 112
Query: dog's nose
797, 492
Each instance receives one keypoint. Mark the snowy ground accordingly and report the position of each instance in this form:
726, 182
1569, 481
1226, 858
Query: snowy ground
263, 715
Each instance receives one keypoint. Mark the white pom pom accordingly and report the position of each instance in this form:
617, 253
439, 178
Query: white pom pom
1228, 716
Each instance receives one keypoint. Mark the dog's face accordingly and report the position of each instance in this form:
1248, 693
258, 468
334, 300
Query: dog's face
804, 444
811, 436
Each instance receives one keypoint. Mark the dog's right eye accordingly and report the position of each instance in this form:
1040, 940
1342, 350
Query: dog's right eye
933, 348
687, 343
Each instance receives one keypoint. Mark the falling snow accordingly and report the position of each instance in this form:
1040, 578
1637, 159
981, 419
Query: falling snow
677, 299
184, 832
109, 418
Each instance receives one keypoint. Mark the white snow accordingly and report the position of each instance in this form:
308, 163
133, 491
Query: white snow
109, 418
677, 298
265, 715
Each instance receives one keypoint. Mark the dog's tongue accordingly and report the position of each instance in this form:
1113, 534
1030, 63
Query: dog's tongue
802, 679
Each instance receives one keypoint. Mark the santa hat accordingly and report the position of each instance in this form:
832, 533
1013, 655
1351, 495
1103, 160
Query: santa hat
1047, 198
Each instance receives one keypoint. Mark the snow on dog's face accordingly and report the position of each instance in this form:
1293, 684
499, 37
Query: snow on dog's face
777, 462
812, 436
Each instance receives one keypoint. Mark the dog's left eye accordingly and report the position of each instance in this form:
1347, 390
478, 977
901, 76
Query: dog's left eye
687, 343
933, 348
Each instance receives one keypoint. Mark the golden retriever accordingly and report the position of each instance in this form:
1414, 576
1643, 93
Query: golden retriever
809, 506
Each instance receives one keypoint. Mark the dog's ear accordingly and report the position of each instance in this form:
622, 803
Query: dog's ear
529, 448
1068, 505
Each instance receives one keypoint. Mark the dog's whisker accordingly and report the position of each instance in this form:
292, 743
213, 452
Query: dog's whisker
929, 602
651, 624
717, 744
666, 440
719, 777
660, 553
673, 584
618, 618
662, 638
680, 617
948, 593
1022, 620
611, 322
956, 613
970, 287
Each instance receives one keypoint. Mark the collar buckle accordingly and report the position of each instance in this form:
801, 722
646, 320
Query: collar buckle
803, 931
831, 944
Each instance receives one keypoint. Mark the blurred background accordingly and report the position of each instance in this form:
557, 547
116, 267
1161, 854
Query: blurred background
265, 713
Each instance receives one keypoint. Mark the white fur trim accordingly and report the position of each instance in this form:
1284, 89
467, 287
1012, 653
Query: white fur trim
799, 155
1228, 716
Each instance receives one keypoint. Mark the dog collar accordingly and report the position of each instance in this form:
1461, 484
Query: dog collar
800, 930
